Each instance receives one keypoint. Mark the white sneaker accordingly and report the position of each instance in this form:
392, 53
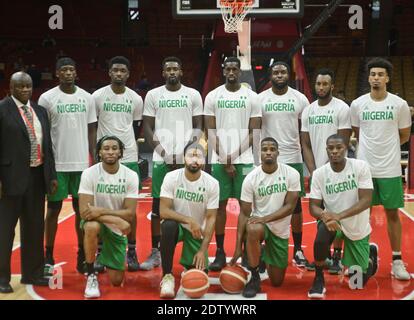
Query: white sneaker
92, 287
167, 286
153, 261
398, 270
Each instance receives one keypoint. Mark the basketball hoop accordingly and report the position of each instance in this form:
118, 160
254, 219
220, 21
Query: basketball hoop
234, 12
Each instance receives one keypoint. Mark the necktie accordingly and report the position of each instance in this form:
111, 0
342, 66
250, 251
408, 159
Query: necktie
30, 129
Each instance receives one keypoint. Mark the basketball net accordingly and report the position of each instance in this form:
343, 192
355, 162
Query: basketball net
234, 12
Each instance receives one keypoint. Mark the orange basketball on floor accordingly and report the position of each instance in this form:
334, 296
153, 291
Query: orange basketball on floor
233, 279
195, 283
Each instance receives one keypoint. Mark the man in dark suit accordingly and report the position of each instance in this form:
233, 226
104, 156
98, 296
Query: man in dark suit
27, 172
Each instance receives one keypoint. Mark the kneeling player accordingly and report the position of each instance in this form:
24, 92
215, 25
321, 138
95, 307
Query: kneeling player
108, 195
345, 187
188, 207
268, 197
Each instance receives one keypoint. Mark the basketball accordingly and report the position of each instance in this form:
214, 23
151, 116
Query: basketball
233, 279
195, 283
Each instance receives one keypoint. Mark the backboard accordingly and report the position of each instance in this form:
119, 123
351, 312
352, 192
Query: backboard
194, 9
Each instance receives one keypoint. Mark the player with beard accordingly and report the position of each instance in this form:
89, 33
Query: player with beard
108, 195
119, 111
269, 196
232, 113
324, 117
282, 108
188, 207
173, 119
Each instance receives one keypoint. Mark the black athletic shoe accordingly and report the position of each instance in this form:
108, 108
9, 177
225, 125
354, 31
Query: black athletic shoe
318, 289
219, 262
80, 263
252, 287
373, 256
310, 266
336, 266
133, 264
300, 260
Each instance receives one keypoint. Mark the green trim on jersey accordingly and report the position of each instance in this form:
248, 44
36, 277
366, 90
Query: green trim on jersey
68, 183
159, 170
230, 187
299, 168
190, 247
276, 249
356, 253
134, 167
113, 247
389, 192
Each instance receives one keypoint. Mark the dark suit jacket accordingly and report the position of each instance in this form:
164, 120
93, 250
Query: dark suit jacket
15, 148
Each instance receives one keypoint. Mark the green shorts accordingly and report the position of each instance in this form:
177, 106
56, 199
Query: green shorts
68, 183
159, 170
276, 250
356, 252
230, 187
134, 167
388, 192
299, 168
190, 247
113, 248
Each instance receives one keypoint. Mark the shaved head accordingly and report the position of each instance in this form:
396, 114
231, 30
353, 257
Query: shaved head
21, 86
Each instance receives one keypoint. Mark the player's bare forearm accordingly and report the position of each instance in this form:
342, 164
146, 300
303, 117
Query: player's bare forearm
209, 228
405, 135
167, 213
245, 213
364, 202
287, 208
307, 152
315, 208
92, 139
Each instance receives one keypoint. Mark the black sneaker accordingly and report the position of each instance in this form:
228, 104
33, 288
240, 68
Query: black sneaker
318, 289
219, 262
336, 266
373, 256
80, 263
133, 264
252, 287
310, 266
300, 260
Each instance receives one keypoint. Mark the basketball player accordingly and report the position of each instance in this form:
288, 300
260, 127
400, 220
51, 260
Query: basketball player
326, 116
119, 111
345, 187
72, 117
108, 195
188, 207
282, 108
268, 198
231, 112
173, 118
382, 122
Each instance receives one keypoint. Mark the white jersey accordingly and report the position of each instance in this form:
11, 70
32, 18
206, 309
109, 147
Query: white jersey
116, 113
69, 116
322, 122
191, 198
267, 193
379, 139
109, 190
233, 111
173, 112
339, 191
280, 120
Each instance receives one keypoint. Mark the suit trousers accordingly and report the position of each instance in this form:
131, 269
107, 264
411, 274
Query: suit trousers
29, 208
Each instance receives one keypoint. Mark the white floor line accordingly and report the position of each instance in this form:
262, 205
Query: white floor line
407, 214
